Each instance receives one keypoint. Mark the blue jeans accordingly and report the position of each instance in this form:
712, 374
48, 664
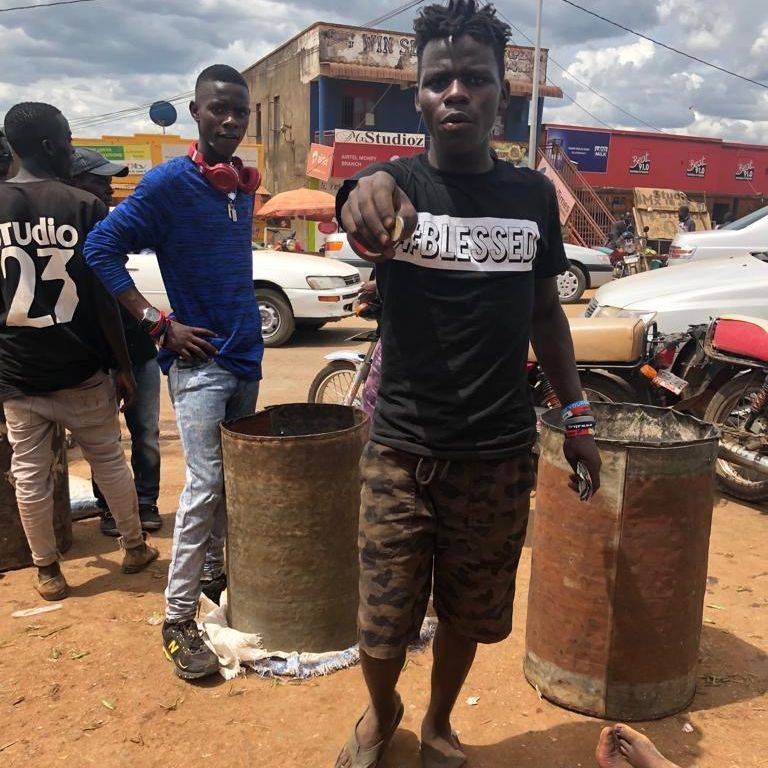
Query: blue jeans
143, 422
203, 395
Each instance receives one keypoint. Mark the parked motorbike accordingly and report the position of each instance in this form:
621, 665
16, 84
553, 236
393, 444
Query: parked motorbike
341, 381
734, 391
619, 360
631, 255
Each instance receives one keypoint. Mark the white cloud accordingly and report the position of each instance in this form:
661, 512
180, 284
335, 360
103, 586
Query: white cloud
106, 56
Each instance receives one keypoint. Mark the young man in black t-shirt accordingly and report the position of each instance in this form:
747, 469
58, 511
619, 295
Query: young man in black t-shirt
448, 473
60, 333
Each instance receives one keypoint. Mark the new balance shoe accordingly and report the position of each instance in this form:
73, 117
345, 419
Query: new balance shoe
183, 645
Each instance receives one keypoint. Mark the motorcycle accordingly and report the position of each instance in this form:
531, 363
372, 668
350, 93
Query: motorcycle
341, 380
620, 360
733, 394
632, 255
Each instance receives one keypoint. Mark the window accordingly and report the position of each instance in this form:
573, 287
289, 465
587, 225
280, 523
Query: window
257, 122
355, 111
276, 120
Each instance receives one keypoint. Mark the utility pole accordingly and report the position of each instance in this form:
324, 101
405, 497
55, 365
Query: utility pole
534, 111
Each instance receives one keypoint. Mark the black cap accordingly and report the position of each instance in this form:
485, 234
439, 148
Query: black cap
88, 161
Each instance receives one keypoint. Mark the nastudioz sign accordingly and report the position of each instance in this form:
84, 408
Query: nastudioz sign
397, 138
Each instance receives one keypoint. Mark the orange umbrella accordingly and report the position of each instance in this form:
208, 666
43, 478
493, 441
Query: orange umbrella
299, 204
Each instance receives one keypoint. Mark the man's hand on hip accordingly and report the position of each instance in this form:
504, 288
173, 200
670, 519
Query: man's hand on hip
369, 214
188, 342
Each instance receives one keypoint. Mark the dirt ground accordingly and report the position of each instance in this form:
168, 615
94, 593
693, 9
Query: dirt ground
88, 685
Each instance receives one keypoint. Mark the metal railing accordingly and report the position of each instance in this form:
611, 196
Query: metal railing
590, 221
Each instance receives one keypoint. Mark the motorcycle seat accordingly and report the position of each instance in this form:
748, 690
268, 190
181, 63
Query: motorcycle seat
741, 336
619, 340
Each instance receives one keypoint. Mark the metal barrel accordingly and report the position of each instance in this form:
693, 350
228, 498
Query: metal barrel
617, 585
293, 498
14, 550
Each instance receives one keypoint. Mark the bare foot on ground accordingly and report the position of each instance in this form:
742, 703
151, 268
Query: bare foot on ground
638, 750
607, 752
440, 747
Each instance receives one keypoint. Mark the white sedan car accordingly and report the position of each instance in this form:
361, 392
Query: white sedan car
739, 238
589, 268
691, 294
294, 289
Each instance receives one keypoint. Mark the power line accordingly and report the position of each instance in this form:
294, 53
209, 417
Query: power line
396, 12
549, 80
581, 82
667, 47
90, 121
44, 5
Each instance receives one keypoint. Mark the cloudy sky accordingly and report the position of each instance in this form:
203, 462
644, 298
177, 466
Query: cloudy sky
109, 55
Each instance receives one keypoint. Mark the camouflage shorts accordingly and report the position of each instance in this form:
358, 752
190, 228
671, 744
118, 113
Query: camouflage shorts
463, 521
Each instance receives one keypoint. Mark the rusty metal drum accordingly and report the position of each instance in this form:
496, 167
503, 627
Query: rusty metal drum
14, 550
617, 585
293, 497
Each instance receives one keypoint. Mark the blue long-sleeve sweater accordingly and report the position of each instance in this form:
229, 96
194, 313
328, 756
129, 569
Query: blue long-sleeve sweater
204, 257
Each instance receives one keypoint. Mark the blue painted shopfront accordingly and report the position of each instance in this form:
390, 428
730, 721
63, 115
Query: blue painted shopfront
336, 103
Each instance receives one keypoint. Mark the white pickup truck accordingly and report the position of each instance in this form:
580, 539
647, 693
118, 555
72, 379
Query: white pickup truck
294, 289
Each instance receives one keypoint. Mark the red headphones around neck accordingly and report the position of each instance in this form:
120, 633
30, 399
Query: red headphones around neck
226, 177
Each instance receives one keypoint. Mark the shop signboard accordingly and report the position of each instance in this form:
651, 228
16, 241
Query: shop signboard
745, 170
565, 199
319, 162
138, 157
697, 168
392, 138
389, 50
640, 163
588, 149
349, 158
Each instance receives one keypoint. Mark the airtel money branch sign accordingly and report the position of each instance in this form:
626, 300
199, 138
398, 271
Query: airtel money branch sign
355, 150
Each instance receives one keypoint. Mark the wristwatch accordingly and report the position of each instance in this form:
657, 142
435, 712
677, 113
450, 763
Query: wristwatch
150, 317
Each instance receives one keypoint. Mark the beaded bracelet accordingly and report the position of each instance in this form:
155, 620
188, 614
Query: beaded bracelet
578, 420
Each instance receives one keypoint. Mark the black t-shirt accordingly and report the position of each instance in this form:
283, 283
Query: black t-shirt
458, 299
50, 338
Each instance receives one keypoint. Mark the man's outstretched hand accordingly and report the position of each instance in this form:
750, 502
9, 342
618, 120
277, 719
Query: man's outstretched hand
369, 214
583, 449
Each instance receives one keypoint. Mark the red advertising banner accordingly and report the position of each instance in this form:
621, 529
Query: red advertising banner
667, 161
565, 199
348, 159
319, 161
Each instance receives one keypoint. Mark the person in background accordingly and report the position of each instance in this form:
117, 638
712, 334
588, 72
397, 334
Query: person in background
196, 212
447, 474
6, 157
618, 228
60, 332
685, 222
93, 173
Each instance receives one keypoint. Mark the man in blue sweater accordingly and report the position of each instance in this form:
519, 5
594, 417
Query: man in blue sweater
196, 213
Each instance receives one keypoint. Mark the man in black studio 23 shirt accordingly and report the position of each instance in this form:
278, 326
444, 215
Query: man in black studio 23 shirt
60, 333
447, 474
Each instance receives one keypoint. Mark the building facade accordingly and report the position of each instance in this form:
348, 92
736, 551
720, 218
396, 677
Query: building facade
727, 176
143, 151
335, 98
